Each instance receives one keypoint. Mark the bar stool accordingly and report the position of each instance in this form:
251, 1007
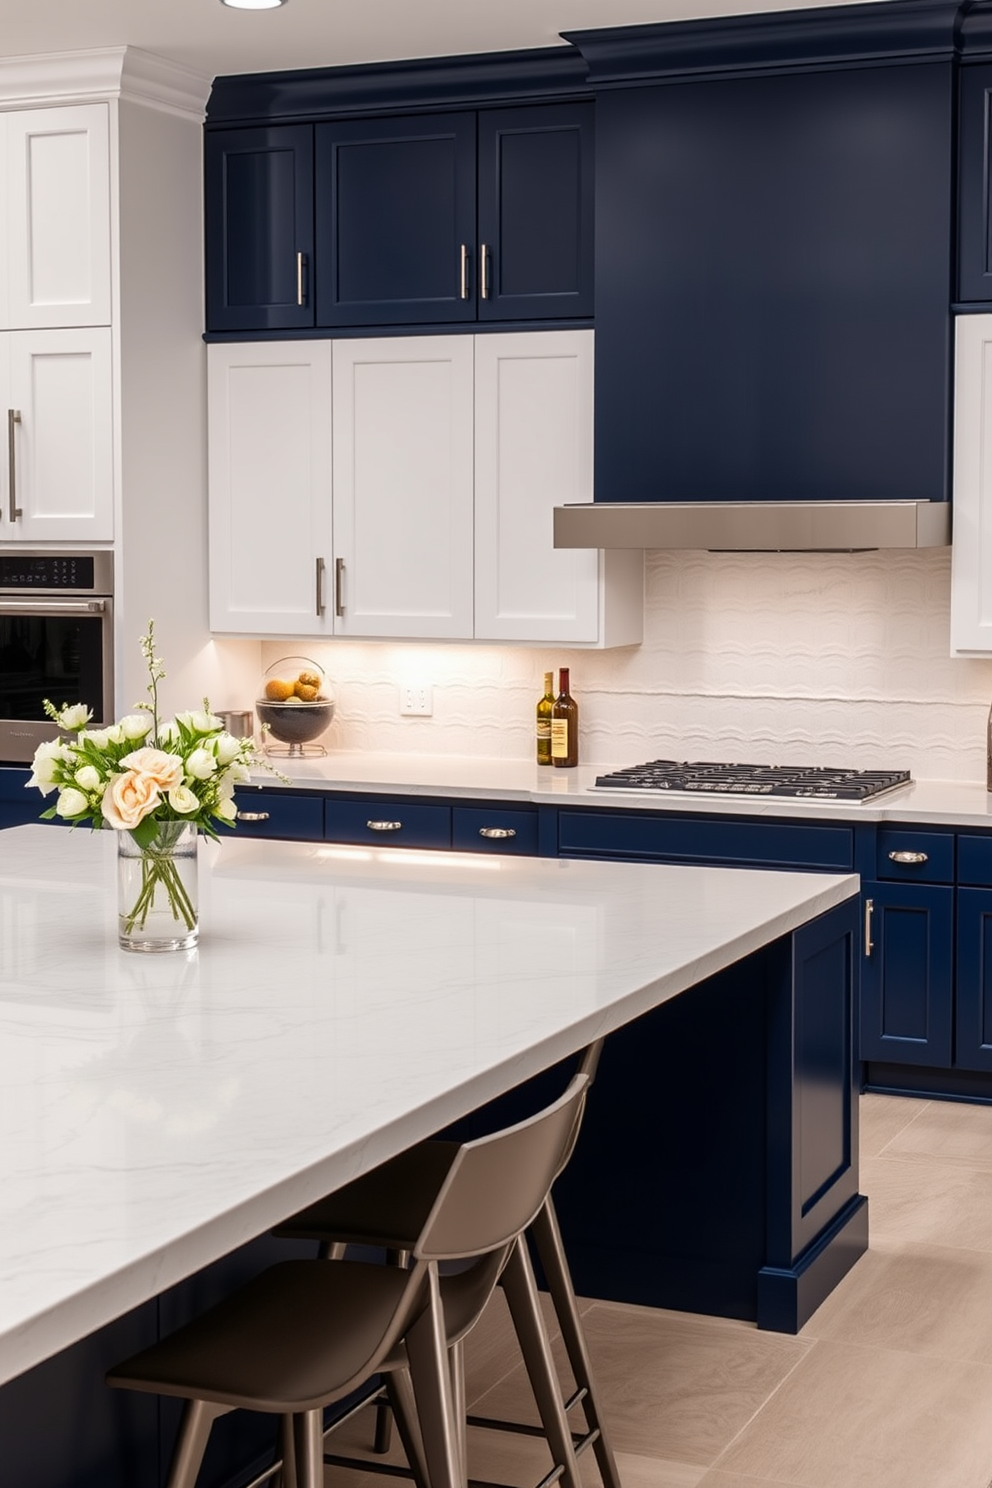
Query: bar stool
385, 1208
304, 1334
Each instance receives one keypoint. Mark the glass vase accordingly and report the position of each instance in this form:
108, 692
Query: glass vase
157, 890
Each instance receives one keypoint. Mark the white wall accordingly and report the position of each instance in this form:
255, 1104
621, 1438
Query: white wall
815, 658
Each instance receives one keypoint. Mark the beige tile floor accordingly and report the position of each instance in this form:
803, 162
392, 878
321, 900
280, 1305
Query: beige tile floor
889, 1385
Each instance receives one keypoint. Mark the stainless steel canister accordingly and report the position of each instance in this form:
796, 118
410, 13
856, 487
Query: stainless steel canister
239, 722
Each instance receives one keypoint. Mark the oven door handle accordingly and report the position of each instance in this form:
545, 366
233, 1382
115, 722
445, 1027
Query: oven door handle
50, 606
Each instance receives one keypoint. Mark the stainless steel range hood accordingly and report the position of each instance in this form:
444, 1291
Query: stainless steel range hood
755, 526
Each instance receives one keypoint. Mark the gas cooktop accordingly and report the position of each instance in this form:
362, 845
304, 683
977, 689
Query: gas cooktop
804, 782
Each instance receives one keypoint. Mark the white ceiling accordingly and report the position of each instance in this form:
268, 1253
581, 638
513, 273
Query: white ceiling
211, 39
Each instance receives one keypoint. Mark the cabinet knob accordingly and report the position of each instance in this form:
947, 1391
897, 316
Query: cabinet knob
252, 816
383, 826
497, 833
907, 857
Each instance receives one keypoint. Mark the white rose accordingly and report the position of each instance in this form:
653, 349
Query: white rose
227, 810
135, 725
182, 799
115, 734
99, 737
75, 717
239, 773
225, 788
37, 783
200, 722
200, 764
44, 769
168, 733
71, 802
88, 778
227, 748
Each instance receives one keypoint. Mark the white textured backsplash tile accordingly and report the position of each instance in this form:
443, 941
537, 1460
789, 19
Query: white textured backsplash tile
795, 658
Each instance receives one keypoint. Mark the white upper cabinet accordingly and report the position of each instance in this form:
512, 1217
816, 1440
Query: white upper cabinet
533, 452
270, 486
57, 402
403, 529
55, 268
971, 551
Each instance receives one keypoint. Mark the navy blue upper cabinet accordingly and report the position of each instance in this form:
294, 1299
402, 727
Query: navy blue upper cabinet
536, 212
773, 266
395, 208
974, 182
259, 228
455, 217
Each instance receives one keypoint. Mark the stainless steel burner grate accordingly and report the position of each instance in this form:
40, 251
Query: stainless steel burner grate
809, 782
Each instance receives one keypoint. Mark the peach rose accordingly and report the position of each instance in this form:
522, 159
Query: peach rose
128, 799
166, 770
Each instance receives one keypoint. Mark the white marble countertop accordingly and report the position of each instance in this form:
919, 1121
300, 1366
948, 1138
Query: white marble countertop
947, 802
158, 1111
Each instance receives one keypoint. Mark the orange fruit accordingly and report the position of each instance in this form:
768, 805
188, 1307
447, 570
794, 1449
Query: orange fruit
279, 691
310, 679
304, 692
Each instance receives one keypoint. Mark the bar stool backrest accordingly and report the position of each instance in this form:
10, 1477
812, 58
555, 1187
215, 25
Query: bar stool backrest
497, 1184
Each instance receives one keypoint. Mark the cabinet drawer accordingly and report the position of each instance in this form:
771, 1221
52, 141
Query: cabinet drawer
388, 823
12, 788
975, 861
477, 829
274, 814
705, 840
926, 857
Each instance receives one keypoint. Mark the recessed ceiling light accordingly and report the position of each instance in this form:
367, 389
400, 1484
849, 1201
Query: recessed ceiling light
253, 4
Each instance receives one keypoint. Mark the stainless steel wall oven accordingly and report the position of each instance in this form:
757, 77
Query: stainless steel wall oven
56, 641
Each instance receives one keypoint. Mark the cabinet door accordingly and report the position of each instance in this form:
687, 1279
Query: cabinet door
533, 452
57, 217
971, 553
396, 220
973, 1013
907, 969
270, 487
403, 486
59, 475
259, 228
974, 199
536, 212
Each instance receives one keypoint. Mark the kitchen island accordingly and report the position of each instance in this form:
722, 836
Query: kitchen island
161, 1112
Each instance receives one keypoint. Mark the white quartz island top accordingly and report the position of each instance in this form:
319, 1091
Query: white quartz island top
159, 1111
961, 803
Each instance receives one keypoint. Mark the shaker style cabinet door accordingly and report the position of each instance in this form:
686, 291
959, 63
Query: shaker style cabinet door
395, 205
403, 486
55, 268
907, 970
971, 551
536, 212
533, 452
269, 442
973, 1011
259, 228
57, 401
974, 183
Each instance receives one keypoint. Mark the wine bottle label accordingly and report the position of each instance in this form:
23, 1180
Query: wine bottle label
544, 728
559, 738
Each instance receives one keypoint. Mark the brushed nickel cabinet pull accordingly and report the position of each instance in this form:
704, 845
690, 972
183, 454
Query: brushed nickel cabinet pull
339, 586
383, 826
484, 257
463, 286
13, 419
252, 816
907, 857
320, 586
497, 832
300, 259
869, 911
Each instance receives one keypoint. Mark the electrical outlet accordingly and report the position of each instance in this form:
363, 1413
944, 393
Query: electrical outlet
416, 700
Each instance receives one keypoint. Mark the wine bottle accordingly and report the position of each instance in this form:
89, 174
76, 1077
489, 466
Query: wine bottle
544, 707
564, 726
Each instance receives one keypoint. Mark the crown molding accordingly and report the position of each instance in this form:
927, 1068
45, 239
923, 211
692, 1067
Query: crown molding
111, 72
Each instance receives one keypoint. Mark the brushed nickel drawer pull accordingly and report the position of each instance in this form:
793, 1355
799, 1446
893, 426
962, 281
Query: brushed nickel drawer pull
339, 586
252, 816
383, 826
13, 418
300, 260
869, 911
484, 262
463, 265
320, 586
907, 857
498, 833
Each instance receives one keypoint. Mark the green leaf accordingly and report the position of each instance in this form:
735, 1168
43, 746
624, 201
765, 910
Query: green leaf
145, 832
47, 815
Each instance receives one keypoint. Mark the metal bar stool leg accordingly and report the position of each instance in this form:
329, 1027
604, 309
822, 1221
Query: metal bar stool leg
308, 1430
547, 1237
401, 1398
520, 1288
191, 1441
427, 1350
288, 1448
456, 1356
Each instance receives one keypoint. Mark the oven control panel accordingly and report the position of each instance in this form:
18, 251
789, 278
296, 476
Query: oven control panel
56, 573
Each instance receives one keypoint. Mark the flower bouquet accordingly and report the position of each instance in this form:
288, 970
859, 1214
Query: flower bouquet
156, 784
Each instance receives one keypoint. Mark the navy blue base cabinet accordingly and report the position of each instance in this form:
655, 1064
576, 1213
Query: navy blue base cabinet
907, 974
